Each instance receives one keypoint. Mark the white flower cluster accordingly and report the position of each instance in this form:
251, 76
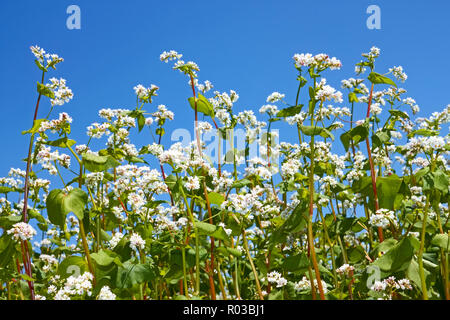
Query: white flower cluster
56, 124
274, 97
22, 231
63, 94
345, 269
75, 286
46, 159
163, 113
388, 285
136, 242
290, 167
305, 285
145, 94
382, 218
106, 294
115, 239
372, 54
166, 56
49, 261
271, 109
398, 73
192, 183
205, 87
45, 59
326, 92
320, 61
275, 277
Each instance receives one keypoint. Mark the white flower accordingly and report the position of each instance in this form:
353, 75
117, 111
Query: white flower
269, 108
375, 109
274, 97
63, 94
49, 261
275, 277
327, 92
106, 294
321, 61
382, 218
145, 94
115, 239
22, 231
378, 286
136, 242
192, 183
305, 285
170, 55
398, 73
345, 269
74, 286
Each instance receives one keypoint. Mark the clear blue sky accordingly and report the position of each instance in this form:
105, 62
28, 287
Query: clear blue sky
242, 45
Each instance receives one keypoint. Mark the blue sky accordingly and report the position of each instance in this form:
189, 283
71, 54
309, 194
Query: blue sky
246, 46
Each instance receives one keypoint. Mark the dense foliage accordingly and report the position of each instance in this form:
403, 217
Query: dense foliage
294, 221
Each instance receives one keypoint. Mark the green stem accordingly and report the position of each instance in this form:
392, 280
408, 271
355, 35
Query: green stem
421, 251
255, 273
197, 254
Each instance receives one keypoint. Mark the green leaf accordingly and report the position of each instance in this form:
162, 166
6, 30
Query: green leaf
352, 97
398, 114
75, 202
413, 273
35, 128
102, 258
72, 265
296, 222
7, 221
220, 234
59, 204
423, 132
61, 143
205, 228
316, 131
442, 241
26, 277
298, 262
388, 189
141, 122
216, 198
441, 181
398, 258
40, 66
45, 91
55, 210
241, 183
203, 105
380, 138
377, 78
96, 163
357, 134
7, 250
130, 274
276, 295
5, 190
234, 252
290, 111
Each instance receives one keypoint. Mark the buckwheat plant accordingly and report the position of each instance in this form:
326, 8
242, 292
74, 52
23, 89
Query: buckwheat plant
296, 220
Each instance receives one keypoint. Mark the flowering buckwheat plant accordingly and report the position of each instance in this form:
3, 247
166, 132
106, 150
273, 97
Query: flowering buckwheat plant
296, 221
